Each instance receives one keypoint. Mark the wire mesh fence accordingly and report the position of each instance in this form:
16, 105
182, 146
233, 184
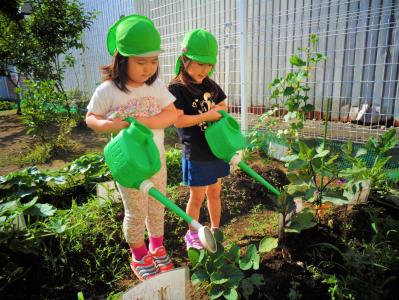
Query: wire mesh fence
359, 37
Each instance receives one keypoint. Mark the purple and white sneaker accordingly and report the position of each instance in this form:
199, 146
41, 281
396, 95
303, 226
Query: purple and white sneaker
192, 240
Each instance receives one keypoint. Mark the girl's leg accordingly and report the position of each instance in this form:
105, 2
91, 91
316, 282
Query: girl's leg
214, 203
155, 222
135, 205
156, 210
197, 196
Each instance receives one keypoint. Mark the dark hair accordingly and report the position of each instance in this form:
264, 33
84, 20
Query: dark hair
185, 79
117, 72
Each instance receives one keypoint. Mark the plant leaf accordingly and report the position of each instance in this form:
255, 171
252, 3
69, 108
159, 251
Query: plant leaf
195, 256
41, 210
231, 294
267, 244
295, 60
219, 277
199, 276
301, 221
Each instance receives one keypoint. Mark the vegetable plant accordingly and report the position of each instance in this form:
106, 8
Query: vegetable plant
224, 271
294, 88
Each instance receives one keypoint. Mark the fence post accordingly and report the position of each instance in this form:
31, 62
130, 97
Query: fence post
243, 15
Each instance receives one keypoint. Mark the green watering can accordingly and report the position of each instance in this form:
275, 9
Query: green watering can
133, 158
224, 137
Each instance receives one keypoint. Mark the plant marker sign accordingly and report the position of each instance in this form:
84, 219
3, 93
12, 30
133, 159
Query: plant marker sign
172, 285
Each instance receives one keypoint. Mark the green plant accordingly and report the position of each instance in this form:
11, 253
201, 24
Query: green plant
21, 235
38, 155
294, 88
312, 171
173, 162
257, 137
359, 171
91, 246
78, 101
7, 105
38, 39
366, 268
63, 142
55, 184
289, 219
225, 271
46, 112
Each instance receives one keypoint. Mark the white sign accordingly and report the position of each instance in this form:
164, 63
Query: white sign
172, 285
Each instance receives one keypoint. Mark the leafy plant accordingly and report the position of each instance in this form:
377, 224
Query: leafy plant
289, 219
312, 171
294, 88
31, 182
258, 135
40, 37
20, 236
362, 269
45, 110
40, 153
7, 105
91, 246
173, 162
360, 172
225, 271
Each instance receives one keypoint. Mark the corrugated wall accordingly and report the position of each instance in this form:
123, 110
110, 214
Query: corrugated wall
85, 76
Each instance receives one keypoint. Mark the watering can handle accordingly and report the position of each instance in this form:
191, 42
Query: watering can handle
130, 120
222, 112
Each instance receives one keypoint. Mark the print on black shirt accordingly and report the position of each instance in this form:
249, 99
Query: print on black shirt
203, 106
195, 146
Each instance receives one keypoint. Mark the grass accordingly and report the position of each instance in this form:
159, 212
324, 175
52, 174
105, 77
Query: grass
257, 224
8, 112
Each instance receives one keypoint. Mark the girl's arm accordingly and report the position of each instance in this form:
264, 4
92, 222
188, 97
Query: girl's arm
164, 119
191, 120
100, 124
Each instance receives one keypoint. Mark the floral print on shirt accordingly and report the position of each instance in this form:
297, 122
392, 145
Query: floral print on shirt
140, 107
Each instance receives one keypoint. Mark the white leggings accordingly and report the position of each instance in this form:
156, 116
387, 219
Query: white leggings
143, 209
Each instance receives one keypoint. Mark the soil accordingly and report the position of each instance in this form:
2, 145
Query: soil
14, 142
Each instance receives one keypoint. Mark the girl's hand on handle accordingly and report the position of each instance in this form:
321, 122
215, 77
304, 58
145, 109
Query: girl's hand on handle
119, 124
101, 124
213, 114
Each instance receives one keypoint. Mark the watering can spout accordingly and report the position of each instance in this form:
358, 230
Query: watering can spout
224, 138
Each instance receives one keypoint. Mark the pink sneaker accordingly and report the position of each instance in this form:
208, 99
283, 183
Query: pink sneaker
162, 259
145, 268
192, 240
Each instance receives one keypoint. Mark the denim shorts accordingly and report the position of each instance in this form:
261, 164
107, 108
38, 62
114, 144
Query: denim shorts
203, 173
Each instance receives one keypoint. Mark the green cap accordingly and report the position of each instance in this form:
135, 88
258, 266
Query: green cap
198, 45
134, 35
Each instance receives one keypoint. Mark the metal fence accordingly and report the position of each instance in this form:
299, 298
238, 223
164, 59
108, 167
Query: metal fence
257, 37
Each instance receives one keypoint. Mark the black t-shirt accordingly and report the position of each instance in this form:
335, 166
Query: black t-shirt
195, 146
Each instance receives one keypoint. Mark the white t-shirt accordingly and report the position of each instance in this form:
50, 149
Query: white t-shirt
143, 101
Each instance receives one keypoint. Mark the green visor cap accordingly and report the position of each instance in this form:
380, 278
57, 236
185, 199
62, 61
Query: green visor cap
134, 35
198, 45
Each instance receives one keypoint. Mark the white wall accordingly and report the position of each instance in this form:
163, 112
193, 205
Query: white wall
86, 74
